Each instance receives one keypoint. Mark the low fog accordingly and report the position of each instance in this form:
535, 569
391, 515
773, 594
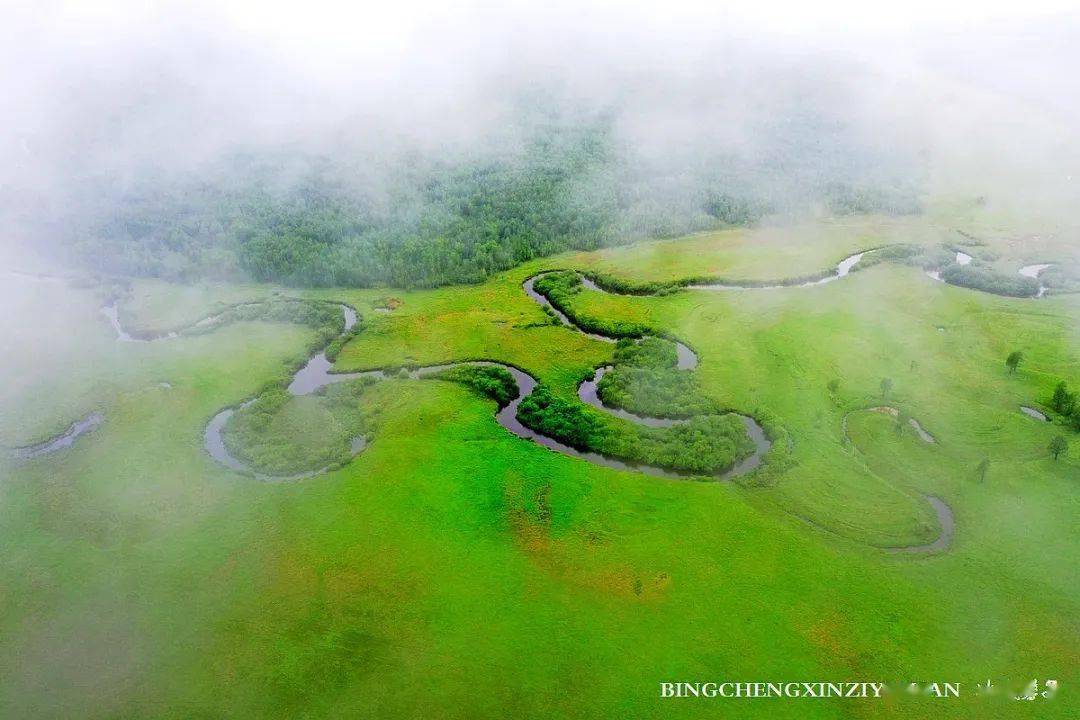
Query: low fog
123, 122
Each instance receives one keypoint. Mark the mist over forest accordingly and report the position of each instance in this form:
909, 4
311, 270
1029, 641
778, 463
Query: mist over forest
173, 149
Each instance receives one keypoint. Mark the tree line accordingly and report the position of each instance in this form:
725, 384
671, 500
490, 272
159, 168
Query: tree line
427, 223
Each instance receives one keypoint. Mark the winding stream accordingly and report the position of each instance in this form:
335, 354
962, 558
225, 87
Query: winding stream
942, 510
686, 359
63, 440
843, 268
1029, 271
945, 519
318, 373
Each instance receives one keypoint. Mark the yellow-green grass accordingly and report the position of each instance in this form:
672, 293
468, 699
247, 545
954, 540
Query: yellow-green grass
424, 579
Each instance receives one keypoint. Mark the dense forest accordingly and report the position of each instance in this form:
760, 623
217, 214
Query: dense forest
423, 220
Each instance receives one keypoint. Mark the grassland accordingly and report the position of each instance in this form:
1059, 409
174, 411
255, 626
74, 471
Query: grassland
453, 570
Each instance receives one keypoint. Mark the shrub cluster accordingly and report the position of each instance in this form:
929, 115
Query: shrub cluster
1061, 279
645, 381
621, 286
560, 286
901, 252
268, 438
743, 282
735, 210
488, 380
335, 346
845, 199
655, 393
650, 352
706, 445
1067, 404
982, 278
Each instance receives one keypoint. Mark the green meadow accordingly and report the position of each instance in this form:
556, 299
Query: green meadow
453, 570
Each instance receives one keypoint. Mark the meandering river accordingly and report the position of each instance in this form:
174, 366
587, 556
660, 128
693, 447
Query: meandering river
318, 373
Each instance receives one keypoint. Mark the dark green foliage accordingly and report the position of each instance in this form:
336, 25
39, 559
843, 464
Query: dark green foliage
435, 224
750, 283
982, 278
553, 319
1059, 446
1073, 419
982, 469
335, 346
902, 252
560, 286
654, 393
1013, 361
645, 381
733, 210
650, 352
1063, 401
706, 445
842, 199
619, 286
436, 221
1061, 278
428, 219
280, 434
489, 380
886, 386
569, 422
933, 257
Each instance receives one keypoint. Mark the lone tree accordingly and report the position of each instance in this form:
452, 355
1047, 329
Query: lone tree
1013, 361
1063, 401
982, 469
1059, 446
834, 385
886, 386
